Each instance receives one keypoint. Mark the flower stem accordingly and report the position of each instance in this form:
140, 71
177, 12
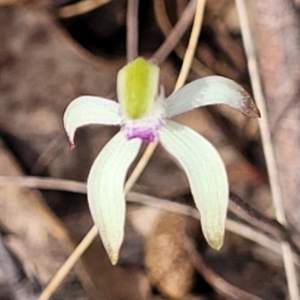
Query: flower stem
132, 30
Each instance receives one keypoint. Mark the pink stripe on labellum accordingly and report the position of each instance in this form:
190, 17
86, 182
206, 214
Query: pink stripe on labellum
146, 131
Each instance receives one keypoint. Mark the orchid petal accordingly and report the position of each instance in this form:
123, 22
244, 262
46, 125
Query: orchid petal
206, 174
137, 87
88, 110
106, 190
211, 90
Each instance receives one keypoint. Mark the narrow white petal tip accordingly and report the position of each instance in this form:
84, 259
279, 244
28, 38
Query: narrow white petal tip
71, 136
112, 240
71, 139
113, 256
215, 241
112, 232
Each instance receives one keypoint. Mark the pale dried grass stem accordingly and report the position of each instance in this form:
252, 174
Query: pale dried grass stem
267, 145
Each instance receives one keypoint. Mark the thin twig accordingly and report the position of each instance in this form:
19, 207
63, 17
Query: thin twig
174, 37
190, 51
267, 146
214, 279
255, 236
270, 226
151, 201
80, 8
132, 30
63, 271
238, 228
247, 213
87, 240
166, 27
45, 183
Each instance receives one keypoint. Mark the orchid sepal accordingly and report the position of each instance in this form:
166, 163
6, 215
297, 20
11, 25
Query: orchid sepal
137, 88
106, 193
88, 110
206, 174
209, 91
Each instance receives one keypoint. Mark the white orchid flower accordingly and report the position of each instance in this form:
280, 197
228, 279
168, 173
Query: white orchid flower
144, 115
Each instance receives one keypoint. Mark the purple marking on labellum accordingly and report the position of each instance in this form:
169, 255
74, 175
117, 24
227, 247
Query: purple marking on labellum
146, 135
146, 132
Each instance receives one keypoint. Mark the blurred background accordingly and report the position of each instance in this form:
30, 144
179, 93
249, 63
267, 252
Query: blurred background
52, 51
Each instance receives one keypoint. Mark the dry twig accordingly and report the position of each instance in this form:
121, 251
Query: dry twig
175, 35
267, 146
163, 204
214, 279
80, 8
166, 27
